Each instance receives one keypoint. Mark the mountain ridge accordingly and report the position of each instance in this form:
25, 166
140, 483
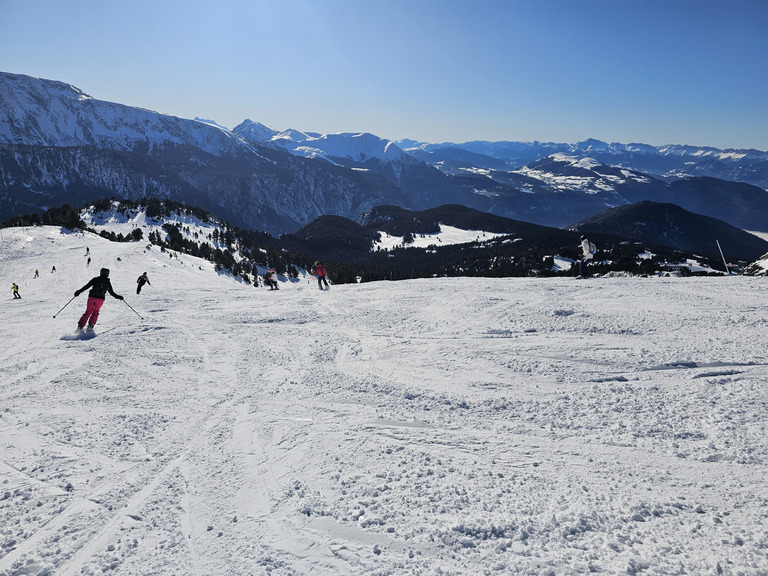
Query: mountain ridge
57, 144
668, 224
389, 242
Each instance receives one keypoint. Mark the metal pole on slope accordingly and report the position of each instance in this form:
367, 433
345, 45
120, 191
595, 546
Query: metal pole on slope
65, 305
134, 311
727, 269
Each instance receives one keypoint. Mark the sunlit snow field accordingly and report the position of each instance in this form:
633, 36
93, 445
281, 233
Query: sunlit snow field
441, 426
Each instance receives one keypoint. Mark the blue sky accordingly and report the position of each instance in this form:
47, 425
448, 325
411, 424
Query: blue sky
652, 71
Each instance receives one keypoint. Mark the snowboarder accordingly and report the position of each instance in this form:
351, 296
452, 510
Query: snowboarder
269, 279
99, 286
587, 250
143, 279
319, 271
15, 289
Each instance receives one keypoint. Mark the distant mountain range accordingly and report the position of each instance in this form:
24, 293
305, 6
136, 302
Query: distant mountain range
58, 145
669, 163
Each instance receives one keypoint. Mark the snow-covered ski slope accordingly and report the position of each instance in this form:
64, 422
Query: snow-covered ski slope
442, 426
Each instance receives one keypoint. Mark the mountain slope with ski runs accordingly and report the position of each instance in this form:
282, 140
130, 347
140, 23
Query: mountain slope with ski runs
440, 426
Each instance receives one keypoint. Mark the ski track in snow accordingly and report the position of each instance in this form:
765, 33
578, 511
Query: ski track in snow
441, 426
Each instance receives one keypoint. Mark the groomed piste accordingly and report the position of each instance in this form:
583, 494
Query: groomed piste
442, 426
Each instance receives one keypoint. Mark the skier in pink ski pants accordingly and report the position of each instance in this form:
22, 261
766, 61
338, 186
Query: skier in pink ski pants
99, 286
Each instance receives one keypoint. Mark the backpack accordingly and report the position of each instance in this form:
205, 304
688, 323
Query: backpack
592, 248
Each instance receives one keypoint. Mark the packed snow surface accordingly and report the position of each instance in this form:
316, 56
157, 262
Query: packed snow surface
441, 426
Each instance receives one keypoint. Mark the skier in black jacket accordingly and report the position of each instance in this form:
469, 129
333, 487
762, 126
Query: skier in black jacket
143, 279
99, 286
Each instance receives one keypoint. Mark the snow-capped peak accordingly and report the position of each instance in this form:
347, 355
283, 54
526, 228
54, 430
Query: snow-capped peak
255, 132
211, 123
51, 113
354, 146
292, 135
586, 163
357, 147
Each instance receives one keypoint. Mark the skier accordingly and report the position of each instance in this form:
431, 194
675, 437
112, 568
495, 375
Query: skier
99, 286
586, 258
319, 271
87, 264
37, 273
15, 289
269, 279
53, 269
143, 279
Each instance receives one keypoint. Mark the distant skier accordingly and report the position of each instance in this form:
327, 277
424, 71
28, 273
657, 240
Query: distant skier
269, 279
15, 288
319, 271
88, 264
143, 279
99, 286
53, 269
37, 273
87, 251
588, 251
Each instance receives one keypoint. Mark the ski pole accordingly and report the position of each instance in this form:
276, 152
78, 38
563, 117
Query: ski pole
65, 305
134, 311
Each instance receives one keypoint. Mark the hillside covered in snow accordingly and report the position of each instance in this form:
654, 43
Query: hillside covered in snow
437, 426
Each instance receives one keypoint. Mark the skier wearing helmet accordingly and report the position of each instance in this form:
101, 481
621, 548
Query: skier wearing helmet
269, 278
99, 286
319, 271
143, 279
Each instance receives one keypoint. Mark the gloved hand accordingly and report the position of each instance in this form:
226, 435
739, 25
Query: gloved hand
77, 293
119, 297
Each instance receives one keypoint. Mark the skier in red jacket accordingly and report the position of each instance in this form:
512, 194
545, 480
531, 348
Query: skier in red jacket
319, 271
